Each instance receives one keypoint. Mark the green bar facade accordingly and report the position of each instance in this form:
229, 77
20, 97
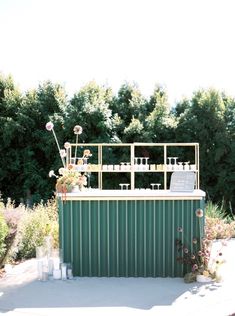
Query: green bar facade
126, 237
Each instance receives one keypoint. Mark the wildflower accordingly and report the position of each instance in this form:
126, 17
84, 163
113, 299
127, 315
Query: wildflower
195, 267
185, 250
67, 145
62, 153
77, 130
52, 174
87, 153
180, 229
62, 171
194, 240
200, 253
193, 257
49, 126
199, 212
206, 273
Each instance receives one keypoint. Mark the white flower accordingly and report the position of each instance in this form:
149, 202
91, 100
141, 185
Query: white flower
49, 126
62, 153
62, 171
52, 174
67, 145
77, 130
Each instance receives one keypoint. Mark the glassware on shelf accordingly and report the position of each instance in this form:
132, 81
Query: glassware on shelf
186, 165
175, 166
122, 167
136, 166
180, 165
169, 166
193, 167
153, 185
124, 186
146, 165
141, 165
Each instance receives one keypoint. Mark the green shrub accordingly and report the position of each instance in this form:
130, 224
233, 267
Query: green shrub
3, 235
214, 210
37, 223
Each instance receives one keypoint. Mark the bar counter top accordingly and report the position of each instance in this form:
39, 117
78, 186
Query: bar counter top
138, 194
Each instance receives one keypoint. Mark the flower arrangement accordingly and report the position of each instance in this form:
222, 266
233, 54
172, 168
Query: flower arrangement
69, 176
197, 254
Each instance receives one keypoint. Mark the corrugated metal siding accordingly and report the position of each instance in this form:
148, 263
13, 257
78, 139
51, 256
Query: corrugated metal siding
126, 238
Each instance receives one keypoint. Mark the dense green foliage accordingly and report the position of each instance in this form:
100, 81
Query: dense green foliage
28, 151
3, 234
22, 229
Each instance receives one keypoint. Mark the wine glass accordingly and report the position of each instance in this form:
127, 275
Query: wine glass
153, 185
141, 166
180, 165
174, 167
169, 166
121, 185
146, 163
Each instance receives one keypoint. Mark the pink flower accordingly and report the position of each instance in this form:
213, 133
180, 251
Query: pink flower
49, 126
195, 267
199, 212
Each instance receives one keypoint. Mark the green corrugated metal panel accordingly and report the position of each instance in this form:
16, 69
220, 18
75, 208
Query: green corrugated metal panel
126, 238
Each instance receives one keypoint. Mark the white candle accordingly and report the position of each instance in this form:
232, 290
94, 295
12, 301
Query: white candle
57, 274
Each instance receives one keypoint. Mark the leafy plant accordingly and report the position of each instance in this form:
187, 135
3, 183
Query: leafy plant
3, 234
37, 223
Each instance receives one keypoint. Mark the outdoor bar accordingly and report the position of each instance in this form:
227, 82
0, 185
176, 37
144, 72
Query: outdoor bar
131, 228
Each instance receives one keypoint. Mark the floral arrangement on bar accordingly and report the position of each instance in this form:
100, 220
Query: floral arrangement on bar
69, 178
197, 254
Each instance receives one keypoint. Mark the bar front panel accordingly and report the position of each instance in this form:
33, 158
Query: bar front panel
126, 238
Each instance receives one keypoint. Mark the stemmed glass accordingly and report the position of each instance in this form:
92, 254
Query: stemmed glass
124, 186
136, 166
186, 165
122, 166
155, 184
146, 163
174, 167
180, 165
169, 166
121, 185
141, 166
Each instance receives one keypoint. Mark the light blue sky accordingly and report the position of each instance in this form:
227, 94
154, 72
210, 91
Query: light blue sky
181, 44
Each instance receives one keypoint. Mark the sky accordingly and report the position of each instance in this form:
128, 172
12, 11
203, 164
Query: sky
183, 45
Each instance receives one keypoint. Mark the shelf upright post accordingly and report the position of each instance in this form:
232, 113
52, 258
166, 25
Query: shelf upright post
165, 167
100, 166
132, 167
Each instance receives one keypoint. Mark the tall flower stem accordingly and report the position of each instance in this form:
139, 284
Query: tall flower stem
76, 146
58, 146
